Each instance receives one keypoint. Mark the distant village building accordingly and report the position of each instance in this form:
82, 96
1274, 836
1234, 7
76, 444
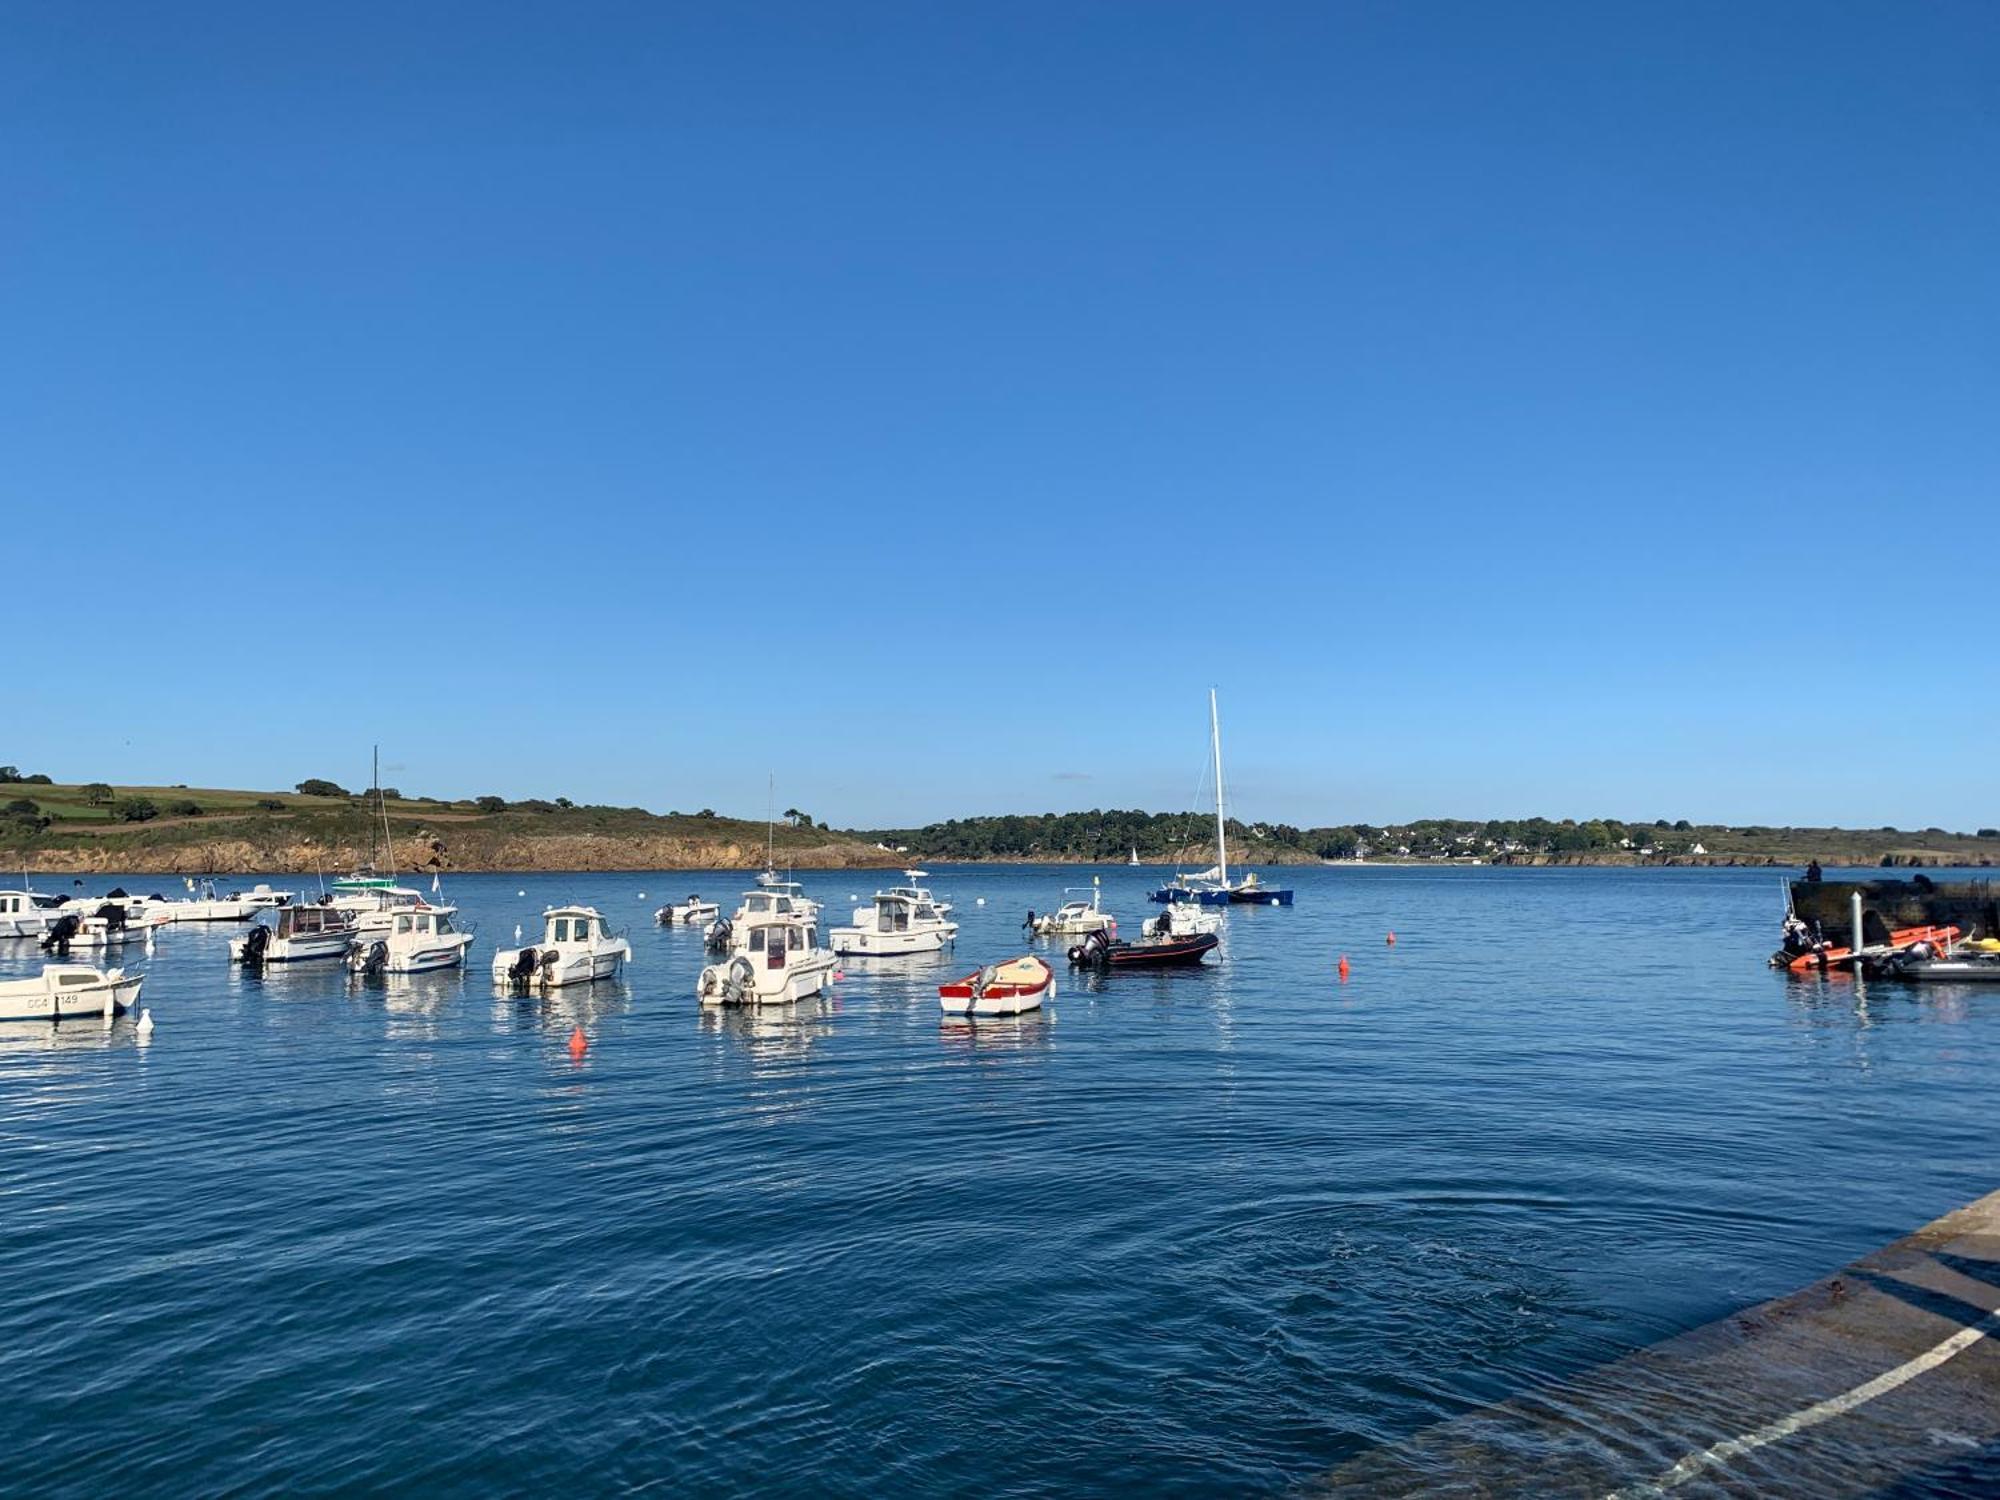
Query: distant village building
1697, 849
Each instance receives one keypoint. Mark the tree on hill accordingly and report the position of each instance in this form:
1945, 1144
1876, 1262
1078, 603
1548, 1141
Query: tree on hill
490, 804
315, 786
137, 810
97, 793
10, 773
21, 805
184, 808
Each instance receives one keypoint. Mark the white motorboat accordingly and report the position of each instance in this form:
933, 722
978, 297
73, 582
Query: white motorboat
899, 922
140, 911
1183, 919
63, 992
206, 906
416, 941
916, 892
27, 914
108, 928
576, 948
1078, 917
264, 898
295, 934
689, 913
774, 955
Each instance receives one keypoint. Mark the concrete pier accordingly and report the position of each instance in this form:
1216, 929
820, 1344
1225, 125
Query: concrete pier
1885, 1376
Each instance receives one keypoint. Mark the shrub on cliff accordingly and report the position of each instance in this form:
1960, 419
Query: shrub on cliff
137, 810
314, 786
184, 809
490, 804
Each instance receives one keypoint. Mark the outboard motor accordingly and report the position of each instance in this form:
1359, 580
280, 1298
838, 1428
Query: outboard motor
376, 963
56, 939
1094, 949
114, 918
523, 967
255, 941
550, 958
719, 933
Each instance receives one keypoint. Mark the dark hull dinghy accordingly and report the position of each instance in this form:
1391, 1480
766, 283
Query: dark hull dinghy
1098, 951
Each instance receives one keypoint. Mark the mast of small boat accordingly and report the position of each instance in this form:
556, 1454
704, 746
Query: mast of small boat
1221, 838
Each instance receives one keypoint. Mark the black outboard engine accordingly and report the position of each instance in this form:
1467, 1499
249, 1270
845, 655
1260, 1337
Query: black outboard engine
255, 941
1094, 949
719, 935
523, 967
56, 939
114, 918
376, 963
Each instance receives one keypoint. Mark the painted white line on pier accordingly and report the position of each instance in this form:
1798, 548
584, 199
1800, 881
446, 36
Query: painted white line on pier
1812, 1416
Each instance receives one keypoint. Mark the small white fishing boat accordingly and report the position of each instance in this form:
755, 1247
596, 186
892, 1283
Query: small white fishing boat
108, 928
27, 914
898, 923
415, 942
63, 992
264, 898
205, 905
577, 947
295, 934
689, 913
1185, 919
916, 892
1008, 989
1077, 917
774, 956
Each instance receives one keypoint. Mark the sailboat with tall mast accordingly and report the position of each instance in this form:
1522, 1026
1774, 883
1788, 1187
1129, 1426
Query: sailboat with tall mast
1213, 887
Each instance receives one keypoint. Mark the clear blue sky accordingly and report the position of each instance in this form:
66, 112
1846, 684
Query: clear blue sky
1569, 409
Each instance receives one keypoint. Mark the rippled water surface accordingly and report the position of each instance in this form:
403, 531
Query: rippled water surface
1201, 1232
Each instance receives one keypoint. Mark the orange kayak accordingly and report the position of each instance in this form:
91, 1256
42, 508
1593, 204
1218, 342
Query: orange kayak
1831, 957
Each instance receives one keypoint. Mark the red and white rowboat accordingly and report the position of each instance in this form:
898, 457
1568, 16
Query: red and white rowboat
999, 989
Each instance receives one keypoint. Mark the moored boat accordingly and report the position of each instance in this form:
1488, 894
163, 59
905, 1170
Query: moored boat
1005, 989
1213, 886
577, 947
774, 955
1074, 918
295, 934
693, 912
27, 914
63, 992
415, 942
1098, 951
901, 921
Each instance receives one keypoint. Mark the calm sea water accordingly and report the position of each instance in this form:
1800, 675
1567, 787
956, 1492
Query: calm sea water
1201, 1232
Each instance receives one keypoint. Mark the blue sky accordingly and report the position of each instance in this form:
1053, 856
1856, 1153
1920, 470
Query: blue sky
1569, 409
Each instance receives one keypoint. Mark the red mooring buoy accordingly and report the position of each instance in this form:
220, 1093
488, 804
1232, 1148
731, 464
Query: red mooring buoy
1392, 939
1343, 968
578, 1043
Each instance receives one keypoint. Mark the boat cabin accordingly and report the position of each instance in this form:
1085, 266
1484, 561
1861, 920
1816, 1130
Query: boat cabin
432, 921
312, 921
16, 903
898, 910
780, 940
573, 924
770, 903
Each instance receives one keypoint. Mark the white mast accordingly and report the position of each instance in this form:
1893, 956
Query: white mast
1221, 840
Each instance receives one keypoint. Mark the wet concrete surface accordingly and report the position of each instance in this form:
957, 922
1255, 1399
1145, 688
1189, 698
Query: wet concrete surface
1883, 1379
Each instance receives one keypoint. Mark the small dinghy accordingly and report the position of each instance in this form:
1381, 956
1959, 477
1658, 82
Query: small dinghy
693, 912
1008, 989
64, 992
1098, 951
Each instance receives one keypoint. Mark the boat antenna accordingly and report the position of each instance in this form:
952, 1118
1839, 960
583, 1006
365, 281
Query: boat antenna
771, 821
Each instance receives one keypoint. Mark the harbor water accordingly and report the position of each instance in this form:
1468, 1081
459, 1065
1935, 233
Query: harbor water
1199, 1232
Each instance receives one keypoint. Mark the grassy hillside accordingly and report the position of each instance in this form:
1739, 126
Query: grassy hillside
203, 829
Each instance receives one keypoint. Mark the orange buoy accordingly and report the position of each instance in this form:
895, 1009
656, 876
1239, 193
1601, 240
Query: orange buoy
1392, 939
1343, 968
578, 1043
